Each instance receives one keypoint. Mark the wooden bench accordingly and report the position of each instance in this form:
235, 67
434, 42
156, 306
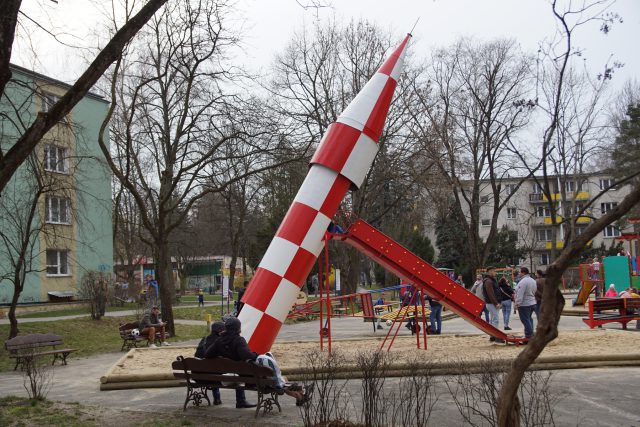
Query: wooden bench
130, 341
201, 375
24, 348
617, 310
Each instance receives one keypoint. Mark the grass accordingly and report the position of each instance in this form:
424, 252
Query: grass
90, 337
73, 311
19, 411
198, 313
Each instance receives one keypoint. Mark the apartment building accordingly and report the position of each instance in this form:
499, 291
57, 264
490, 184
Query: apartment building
528, 212
68, 182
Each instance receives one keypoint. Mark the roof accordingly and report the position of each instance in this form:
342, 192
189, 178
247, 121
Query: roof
51, 80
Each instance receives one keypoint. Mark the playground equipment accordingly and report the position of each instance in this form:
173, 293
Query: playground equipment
341, 161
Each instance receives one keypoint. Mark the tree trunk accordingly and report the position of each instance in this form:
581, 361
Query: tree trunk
547, 331
13, 330
164, 276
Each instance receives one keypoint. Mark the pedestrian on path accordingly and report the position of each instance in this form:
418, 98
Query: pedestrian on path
526, 300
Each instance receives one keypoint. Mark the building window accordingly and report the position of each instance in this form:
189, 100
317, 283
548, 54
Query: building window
606, 207
576, 209
485, 222
545, 259
542, 212
58, 263
537, 188
56, 159
511, 213
569, 186
543, 235
606, 183
48, 101
484, 199
611, 231
510, 188
580, 230
58, 210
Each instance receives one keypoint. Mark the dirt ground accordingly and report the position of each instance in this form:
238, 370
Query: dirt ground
155, 364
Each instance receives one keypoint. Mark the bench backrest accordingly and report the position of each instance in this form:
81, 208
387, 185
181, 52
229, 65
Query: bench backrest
214, 369
23, 342
607, 304
129, 326
367, 306
632, 303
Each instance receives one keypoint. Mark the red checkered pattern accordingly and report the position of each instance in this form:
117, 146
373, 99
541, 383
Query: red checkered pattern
342, 160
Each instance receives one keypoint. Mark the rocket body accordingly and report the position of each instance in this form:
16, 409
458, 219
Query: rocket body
341, 161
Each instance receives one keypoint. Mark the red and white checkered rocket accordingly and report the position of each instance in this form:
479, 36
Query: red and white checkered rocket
342, 160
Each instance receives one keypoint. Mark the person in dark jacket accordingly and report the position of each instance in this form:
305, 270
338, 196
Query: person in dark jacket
435, 317
216, 329
506, 299
491, 292
239, 303
232, 346
150, 323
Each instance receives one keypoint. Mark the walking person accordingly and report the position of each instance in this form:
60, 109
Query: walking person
491, 291
506, 299
435, 317
476, 289
526, 300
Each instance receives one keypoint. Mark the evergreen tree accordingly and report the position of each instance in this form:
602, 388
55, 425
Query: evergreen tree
505, 250
451, 241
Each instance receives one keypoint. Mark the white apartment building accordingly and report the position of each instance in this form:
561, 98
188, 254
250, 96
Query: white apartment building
528, 213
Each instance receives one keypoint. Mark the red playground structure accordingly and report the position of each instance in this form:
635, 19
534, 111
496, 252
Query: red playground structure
408, 266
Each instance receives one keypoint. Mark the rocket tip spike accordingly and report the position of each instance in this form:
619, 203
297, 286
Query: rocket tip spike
410, 33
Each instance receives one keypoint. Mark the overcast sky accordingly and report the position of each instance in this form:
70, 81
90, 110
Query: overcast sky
268, 25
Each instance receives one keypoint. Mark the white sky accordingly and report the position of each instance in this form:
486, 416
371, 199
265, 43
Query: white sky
269, 24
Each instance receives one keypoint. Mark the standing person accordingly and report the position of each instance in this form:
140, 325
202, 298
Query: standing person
526, 300
150, 323
611, 293
539, 288
506, 299
491, 291
435, 317
200, 297
460, 281
241, 291
216, 329
595, 275
476, 289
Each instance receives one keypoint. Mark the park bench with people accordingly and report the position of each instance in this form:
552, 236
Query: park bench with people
202, 375
612, 310
25, 348
131, 335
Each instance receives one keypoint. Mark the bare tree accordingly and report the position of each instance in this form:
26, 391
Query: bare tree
569, 20
473, 100
173, 121
45, 121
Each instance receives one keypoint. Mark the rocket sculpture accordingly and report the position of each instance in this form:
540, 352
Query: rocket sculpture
342, 160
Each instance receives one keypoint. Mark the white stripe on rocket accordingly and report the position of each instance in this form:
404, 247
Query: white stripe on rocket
359, 161
313, 239
316, 186
279, 255
281, 300
358, 111
250, 318
397, 69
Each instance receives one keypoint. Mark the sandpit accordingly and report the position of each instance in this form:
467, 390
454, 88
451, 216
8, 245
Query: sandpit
146, 367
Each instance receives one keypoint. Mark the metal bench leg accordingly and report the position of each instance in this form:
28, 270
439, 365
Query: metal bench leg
195, 395
267, 404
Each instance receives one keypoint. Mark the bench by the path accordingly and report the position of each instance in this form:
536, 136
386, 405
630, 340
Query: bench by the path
616, 310
25, 348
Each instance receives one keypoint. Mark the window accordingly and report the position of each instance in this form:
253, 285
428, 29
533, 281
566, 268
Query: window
58, 263
542, 212
611, 231
57, 210
606, 207
485, 222
484, 199
543, 235
56, 159
511, 213
48, 100
576, 209
607, 183
545, 259
569, 186
537, 189
510, 188
580, 230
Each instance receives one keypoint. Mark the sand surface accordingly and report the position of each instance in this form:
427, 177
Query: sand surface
156, 363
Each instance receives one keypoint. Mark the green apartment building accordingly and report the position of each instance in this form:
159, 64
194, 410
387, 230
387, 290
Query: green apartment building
65, 187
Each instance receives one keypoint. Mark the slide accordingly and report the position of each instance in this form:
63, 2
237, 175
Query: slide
408, 266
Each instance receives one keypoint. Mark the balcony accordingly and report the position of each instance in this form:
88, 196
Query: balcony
570, 195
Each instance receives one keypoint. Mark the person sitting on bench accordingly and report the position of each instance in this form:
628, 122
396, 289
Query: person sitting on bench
216, 329
291, 389
150, 323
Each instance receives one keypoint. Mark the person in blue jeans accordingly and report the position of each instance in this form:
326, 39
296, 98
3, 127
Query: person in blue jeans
526, 300
506, 296
435, 317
